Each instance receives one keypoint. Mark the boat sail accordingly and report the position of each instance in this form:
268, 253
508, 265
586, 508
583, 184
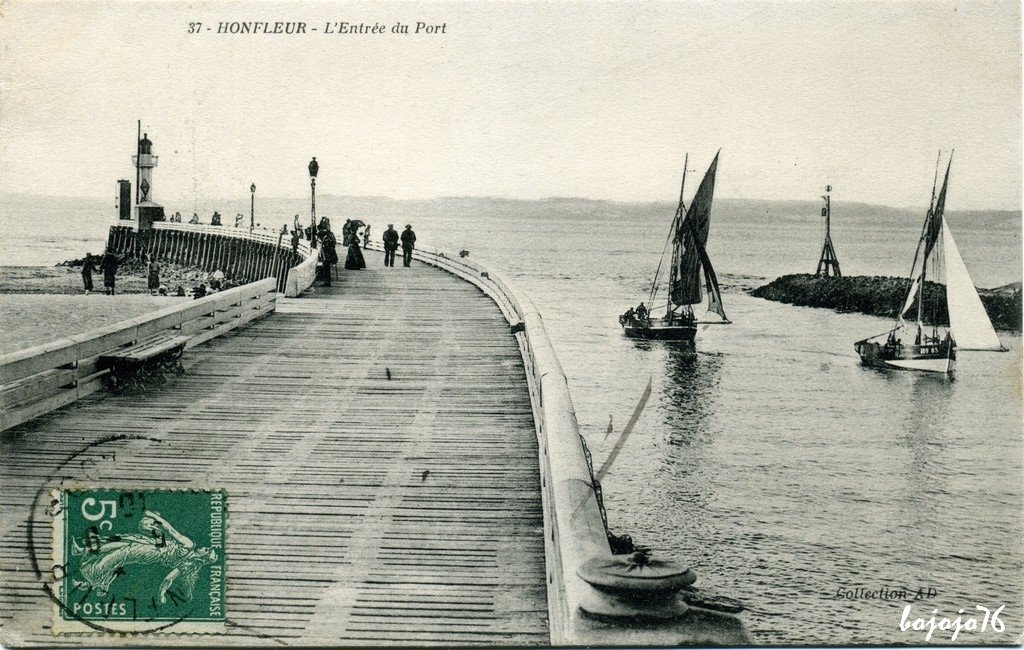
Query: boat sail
969, 324
690, 265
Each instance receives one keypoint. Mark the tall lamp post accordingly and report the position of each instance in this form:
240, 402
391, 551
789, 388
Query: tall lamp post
252, 207
314, 168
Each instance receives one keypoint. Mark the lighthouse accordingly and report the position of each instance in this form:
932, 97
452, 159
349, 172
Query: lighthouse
146, 210
145, 161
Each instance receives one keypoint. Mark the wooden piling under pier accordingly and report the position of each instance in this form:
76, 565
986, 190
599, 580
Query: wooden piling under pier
362, 510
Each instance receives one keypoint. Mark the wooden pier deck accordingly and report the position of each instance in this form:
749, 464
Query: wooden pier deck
362, 510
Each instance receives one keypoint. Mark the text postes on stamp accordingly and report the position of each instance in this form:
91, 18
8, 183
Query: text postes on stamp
140, 560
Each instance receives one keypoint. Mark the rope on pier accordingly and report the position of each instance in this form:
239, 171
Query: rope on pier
620, 544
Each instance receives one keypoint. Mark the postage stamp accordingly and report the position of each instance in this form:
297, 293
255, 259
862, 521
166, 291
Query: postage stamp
140, 560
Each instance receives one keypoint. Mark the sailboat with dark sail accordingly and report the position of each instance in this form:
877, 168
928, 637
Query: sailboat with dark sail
934, 349
688, 236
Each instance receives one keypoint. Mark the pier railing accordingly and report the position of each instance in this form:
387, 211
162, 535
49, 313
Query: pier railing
243, 255
575, 530
46, 377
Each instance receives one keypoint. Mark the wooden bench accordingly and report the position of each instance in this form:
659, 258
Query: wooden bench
144, 362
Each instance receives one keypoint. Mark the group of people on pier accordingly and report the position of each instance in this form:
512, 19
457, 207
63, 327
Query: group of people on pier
391, 239
351, 238
353, 233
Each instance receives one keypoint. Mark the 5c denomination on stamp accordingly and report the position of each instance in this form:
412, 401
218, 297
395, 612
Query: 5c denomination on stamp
139, 560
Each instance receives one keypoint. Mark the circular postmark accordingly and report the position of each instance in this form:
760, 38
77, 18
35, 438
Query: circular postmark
127, 560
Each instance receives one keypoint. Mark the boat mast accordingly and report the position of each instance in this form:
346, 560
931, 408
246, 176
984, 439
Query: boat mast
672, 236
678, 222
924, 263
682, 187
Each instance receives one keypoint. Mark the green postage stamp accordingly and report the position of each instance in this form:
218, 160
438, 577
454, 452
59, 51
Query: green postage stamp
139, 560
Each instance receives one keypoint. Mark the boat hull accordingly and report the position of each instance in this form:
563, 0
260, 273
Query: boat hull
659, 332
941, 359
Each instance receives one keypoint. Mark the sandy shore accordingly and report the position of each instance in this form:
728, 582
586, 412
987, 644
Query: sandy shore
32, 319
39, 304
67, 280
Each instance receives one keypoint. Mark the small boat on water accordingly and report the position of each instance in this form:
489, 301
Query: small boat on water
688, 236
934, 349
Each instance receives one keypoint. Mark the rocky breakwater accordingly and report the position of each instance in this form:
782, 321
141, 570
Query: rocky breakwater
883, 296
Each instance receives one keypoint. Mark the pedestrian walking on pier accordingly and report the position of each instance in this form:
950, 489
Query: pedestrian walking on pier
390, 245
366, 236
108, 264
88, 266
408, 244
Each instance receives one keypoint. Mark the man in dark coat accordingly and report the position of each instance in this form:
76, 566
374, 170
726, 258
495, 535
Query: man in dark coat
109, 264
87, 269
390, 245
408, 243
328, 253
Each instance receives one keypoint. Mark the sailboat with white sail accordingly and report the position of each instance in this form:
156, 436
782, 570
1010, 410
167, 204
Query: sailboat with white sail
934, 349
688, 236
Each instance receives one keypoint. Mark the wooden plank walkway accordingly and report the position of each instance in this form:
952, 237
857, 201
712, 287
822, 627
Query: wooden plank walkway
362, 510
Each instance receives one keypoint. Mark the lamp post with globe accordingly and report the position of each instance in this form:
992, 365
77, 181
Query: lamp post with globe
314, 168
252, 207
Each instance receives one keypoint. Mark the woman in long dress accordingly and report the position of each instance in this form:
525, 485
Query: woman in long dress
355, 259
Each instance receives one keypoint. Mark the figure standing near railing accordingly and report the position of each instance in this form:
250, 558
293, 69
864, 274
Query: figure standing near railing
408, 244
366, 236
390, 245
195, 218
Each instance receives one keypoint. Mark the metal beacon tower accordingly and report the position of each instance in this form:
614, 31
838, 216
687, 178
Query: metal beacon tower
828, 264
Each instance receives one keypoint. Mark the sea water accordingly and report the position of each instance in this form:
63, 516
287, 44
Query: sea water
826, 496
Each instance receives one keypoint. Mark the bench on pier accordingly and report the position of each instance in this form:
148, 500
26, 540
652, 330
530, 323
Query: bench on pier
144, 361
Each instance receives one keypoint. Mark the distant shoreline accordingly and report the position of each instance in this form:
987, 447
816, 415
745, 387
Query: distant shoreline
881, 296
809, 205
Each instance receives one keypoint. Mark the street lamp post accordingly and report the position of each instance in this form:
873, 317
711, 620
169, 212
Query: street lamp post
252, 207
314, 168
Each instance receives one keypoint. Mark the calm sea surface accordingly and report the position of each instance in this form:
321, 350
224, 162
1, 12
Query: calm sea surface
771, 461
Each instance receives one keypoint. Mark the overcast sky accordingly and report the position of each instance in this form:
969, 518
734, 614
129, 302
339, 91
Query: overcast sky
524, 100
